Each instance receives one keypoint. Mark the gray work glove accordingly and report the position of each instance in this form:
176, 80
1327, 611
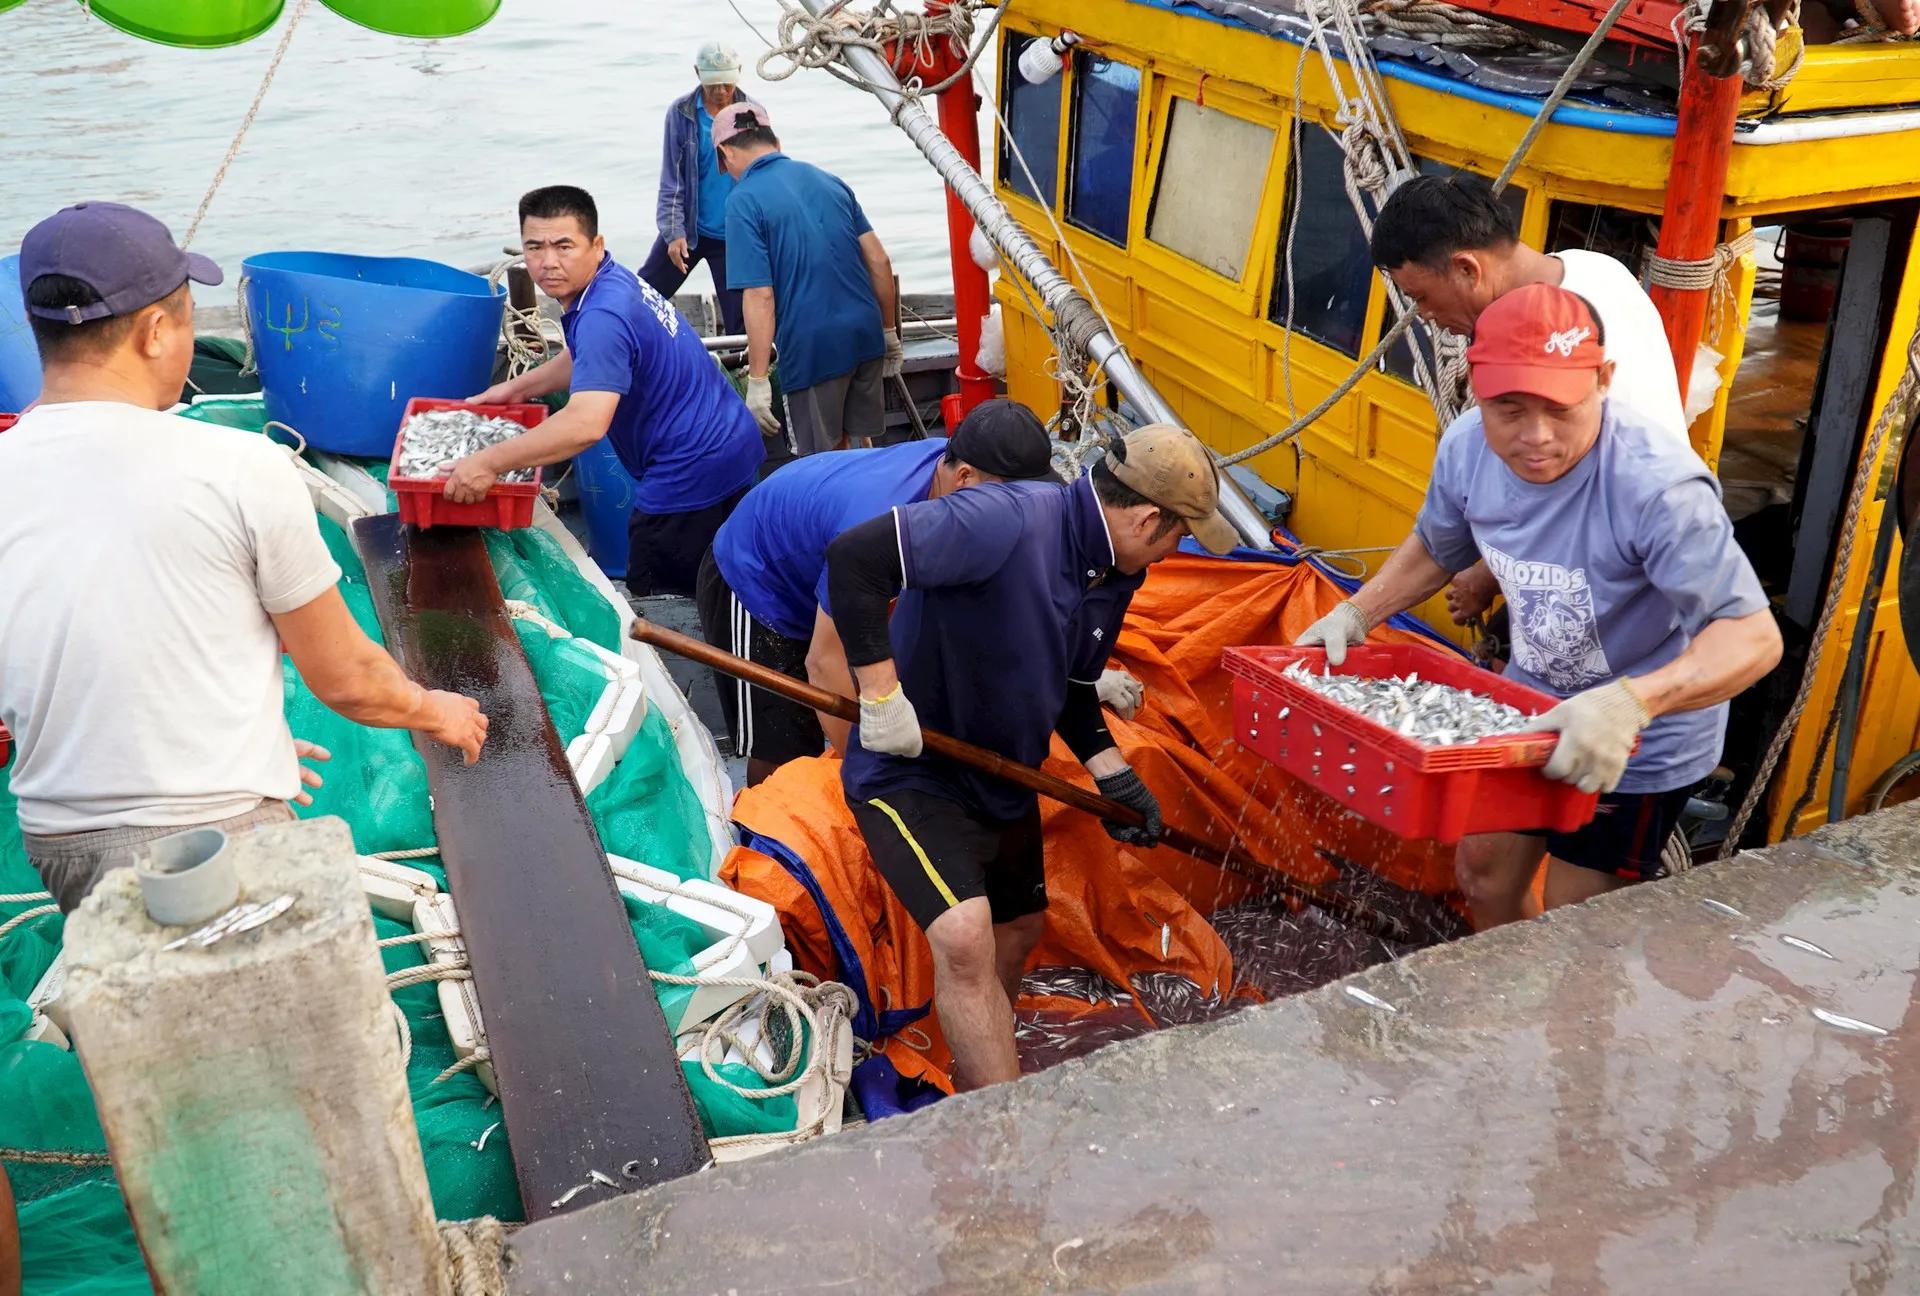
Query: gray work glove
894, 363
1343, 628
1597, 729
1126, 787
1121, 691
760, 404
889, 724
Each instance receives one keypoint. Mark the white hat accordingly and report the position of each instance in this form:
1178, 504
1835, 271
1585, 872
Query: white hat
717, 64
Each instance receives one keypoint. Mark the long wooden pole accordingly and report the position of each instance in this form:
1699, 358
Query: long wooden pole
1385, 926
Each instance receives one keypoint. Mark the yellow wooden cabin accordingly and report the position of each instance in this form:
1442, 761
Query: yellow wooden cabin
1163, 156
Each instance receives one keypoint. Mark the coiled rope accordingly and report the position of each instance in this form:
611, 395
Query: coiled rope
1713, 274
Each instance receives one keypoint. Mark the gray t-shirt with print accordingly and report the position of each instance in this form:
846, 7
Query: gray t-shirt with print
1609, 571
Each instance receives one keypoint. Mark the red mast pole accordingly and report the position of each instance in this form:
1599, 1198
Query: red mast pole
972, 298
1697, 179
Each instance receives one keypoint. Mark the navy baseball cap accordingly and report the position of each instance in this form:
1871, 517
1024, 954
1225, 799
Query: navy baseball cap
123, 254
1005, 438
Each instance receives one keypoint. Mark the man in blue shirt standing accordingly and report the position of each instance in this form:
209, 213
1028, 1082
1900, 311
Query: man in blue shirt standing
817, 283
1629, 597
763, 585
639, 376
1013, 594
694, 187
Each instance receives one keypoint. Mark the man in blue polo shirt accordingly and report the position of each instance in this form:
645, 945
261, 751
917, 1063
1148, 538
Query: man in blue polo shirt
1013, 594
816, 281
639, 376
763, 586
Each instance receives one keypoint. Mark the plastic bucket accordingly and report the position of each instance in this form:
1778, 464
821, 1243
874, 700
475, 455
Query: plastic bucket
417, 19
344, 342
201, 24
19, 357
606, 500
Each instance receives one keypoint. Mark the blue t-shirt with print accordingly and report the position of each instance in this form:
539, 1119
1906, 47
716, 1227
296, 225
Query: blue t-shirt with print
1609, 571
773, 549
796, 229
1010, 592
716, 186
679, 428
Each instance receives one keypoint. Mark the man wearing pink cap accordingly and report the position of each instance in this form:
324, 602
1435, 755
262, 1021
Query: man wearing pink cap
1629, 598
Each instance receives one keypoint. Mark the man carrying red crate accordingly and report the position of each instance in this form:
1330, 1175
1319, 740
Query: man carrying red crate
1629, 598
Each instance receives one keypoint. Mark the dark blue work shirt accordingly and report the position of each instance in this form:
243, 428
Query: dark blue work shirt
773, 549
680, 428
1010, 591
796, 229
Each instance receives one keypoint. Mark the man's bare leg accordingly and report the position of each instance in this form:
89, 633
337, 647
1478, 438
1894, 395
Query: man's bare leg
759, 770
1495, 873
1571, 883
975, 1013
1012, 943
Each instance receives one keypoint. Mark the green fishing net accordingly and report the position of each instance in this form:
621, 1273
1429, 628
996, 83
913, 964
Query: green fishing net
77, 1239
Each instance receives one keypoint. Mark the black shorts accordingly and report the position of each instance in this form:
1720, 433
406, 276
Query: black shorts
765, 726
664, 549
935, 854
1628, 832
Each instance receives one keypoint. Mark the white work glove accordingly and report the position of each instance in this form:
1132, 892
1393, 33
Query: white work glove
760, 404
1121, 691
889, 724
1343, 628
1597, 729
895, 360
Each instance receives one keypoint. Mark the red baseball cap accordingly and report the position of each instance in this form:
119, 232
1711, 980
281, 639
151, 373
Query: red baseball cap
1540, 339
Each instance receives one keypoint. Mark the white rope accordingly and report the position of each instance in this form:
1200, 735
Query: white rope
474, 1256
253, 110
420, 852
291, 431
519, 322
39, 911
24, 897
1711, 274
801, 997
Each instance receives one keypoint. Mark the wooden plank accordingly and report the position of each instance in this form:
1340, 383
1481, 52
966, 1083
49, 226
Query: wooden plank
589, 1082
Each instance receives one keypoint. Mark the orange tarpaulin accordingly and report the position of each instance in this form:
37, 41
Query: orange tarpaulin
1112, 909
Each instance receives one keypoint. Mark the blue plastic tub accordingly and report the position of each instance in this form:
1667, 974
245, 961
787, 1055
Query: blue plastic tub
606, 501
19, 357
344, 342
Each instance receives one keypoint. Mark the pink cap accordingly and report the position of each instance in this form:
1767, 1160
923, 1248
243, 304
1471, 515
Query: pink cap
734, 118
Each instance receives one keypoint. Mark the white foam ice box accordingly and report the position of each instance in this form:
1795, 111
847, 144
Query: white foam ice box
459, 1004
735, 933
394, 889
591, 758
50, 1024
622, 706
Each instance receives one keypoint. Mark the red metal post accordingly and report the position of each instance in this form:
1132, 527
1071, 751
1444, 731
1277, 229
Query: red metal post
1696, 185
972, 298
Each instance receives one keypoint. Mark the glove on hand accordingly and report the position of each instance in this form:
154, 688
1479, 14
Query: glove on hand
1121, 691
895, 360
889, 724
1597, 730
760, 404
1343, 628
1125, 786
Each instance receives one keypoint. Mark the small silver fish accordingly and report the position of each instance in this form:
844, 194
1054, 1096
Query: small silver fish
1370, 1000
434, 439
1806, 945
1850, 1023
1431, 713
1720, 907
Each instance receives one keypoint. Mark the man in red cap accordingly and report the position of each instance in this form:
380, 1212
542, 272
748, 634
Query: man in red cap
1629, 598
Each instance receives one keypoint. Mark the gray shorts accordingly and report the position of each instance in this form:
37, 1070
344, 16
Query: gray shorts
852, 407
72, 863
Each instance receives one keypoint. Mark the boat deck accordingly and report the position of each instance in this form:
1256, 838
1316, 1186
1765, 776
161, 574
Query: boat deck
1627, 1093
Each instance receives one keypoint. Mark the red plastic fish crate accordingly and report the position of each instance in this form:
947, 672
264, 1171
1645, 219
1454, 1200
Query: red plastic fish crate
423, 500
8, 420
1412, 790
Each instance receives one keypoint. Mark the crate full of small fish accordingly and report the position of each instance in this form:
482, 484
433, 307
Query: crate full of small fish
436, 434
1408, 736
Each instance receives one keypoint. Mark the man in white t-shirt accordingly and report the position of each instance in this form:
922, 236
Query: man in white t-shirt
1454, 250
151, 568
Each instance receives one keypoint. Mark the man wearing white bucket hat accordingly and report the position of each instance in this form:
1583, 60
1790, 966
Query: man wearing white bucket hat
694, 187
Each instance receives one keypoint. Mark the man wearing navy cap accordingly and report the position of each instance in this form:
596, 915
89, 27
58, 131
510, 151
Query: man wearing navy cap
1010, 598
639, 376
151, 568
1629, 597
763, 585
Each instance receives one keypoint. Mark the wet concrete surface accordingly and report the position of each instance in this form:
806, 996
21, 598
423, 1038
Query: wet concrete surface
1632, 1095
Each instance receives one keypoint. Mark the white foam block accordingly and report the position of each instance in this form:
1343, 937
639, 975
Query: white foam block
459, 1005
591, 757
709, 904
394, 889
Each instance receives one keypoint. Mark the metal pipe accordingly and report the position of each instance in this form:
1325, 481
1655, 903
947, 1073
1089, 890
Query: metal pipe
910, 331
1062, 300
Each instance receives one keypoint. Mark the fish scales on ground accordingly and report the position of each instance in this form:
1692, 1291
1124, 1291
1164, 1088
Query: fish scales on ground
1437, 715
435, 439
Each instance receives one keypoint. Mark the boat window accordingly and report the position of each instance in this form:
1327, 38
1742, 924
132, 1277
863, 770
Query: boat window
1628, 237
1322, 286
1106, 95
1399, 361
1033, 125
1213, 168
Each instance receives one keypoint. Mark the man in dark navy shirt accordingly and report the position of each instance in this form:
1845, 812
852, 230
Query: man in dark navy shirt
640, 377
1010, 597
